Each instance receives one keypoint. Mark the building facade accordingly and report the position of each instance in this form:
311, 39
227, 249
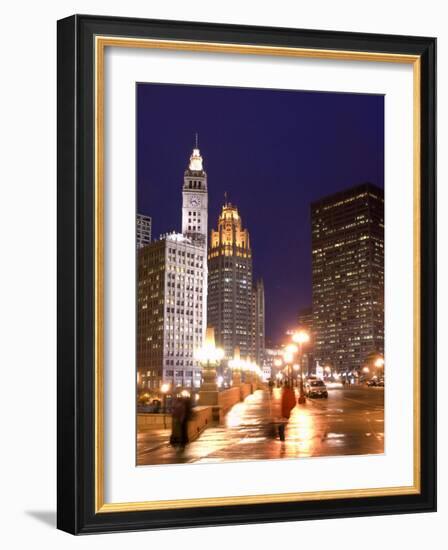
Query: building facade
230, 290
348, 277
258, 320
143, 230
172, 293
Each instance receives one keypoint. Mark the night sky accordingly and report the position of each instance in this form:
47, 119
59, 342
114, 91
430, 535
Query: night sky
273, 152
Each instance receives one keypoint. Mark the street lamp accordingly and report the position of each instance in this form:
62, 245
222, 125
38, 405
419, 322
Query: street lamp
301, 337
236, 364
379, 363
278, 363
288, 355
209, 357
165, 388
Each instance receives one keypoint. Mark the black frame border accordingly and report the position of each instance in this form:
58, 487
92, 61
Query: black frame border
76, 262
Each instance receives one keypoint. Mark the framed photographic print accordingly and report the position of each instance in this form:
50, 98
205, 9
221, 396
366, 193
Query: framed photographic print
246, 274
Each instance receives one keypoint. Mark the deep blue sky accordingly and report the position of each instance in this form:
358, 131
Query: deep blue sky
274, 152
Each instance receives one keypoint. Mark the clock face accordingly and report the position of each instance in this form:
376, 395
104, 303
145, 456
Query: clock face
195, 201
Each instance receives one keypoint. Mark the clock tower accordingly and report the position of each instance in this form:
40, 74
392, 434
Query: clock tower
195, 200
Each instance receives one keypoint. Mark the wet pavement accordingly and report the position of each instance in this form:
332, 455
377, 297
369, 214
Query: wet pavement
349, 422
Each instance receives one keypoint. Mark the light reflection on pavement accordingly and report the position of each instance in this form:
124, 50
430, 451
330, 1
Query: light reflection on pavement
350, 422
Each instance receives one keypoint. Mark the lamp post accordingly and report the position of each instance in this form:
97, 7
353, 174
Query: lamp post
278, 363
301, 338
288, 356
165, 388
209, 356
379, 364
236, 364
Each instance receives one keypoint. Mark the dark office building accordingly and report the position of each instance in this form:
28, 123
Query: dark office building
348, 277
230, 294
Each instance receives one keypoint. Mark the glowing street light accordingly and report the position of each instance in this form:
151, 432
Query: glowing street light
209, 356
236, 364
379, 364
164, 388
300, 338
291, 348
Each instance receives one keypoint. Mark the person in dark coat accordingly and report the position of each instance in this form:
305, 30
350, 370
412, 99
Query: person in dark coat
188, 413
288, 402
178, 416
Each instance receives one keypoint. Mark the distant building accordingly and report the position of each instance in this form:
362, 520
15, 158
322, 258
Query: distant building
348, 276
230, 294
143, 230
172, 293
272, 355
258, 320
267, 373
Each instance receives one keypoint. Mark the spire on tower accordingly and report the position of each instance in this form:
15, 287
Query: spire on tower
195, 158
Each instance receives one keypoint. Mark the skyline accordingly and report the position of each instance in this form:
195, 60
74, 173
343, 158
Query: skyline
247, 155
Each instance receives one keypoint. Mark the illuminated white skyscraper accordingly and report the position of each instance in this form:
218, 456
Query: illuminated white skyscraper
172, 293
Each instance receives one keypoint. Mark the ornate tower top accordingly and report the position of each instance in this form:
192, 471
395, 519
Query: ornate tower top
230, 232
195, 199
195, 164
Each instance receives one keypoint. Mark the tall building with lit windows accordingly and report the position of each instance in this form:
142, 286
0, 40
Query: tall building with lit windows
230, 291
348, 276
172, 293
258, 320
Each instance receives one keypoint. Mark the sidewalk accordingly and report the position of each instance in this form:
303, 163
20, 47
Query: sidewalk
339, 425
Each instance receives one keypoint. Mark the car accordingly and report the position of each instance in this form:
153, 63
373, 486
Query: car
380, 382
316, 388
371, 383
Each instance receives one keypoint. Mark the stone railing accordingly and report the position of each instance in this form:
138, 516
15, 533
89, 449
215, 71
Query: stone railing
202, 418
245, 390
228, 398
153, 421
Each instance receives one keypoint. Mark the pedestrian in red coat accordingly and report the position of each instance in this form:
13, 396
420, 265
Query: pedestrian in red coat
288, 402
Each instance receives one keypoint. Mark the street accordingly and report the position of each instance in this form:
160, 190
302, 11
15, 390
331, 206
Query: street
349, 422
